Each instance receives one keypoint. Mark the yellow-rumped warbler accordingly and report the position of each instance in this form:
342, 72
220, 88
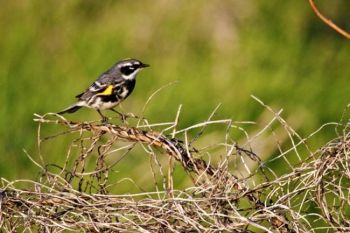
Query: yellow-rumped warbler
111, 88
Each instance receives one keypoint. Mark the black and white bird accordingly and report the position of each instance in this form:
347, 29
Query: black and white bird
110, 89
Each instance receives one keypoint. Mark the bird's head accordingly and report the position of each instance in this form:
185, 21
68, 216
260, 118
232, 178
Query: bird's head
130, 67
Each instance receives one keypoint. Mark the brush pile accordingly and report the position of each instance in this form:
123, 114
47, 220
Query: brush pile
271, 181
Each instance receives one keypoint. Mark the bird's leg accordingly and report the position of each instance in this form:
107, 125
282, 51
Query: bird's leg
121, 115
124, 117
104, 118
128, 115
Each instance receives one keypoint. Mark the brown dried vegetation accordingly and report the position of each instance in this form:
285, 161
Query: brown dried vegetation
239, 192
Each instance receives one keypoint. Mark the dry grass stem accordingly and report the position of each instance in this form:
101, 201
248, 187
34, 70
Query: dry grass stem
293, 189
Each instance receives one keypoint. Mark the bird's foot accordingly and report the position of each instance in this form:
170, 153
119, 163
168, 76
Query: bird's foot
104, 120
123, 118
133, 116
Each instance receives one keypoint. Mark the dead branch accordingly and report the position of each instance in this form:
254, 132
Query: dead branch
327, 21
312, 189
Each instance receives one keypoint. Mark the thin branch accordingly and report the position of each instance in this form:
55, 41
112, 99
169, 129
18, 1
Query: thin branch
327, 21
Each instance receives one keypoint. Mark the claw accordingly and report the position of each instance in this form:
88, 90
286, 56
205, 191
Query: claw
104, 119
123, 117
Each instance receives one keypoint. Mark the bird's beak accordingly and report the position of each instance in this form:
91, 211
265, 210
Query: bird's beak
144, 65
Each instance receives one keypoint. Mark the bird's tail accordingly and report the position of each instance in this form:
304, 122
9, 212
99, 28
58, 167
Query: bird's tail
70, 109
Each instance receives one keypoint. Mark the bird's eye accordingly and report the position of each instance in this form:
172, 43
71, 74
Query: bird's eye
126, 70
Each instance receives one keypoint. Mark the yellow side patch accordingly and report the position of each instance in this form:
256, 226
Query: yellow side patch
107, 91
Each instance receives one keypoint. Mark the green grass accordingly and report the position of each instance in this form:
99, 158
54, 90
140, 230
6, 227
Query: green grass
218, 52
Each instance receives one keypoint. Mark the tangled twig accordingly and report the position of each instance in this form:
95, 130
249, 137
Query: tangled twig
310, 193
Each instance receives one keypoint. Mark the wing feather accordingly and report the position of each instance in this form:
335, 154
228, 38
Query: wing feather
101, 85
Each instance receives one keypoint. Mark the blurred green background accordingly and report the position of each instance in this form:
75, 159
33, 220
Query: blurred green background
219, 51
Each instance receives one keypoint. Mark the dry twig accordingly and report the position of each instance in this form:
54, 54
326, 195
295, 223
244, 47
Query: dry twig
310, 193
327, 21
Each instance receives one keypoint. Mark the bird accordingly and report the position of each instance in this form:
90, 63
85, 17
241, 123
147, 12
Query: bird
110, 88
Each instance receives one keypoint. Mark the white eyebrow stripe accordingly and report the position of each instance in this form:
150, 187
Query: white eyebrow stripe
126, 64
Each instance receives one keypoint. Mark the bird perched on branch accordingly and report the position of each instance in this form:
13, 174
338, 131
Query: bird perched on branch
111, 88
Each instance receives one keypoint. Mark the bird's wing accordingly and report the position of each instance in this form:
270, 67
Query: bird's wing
102, 86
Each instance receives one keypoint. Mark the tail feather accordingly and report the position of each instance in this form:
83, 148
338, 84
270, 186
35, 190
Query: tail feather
70, 109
